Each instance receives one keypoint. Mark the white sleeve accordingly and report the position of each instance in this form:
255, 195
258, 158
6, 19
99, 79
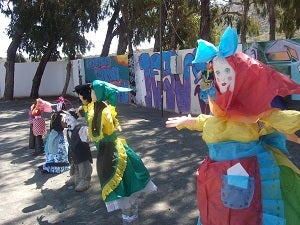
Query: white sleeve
65, 132
83, 134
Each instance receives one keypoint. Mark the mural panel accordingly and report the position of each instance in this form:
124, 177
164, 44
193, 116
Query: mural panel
112, 69
180, 80
282, 55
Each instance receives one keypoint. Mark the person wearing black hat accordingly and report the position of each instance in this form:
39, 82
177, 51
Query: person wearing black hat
79, 153
84, 93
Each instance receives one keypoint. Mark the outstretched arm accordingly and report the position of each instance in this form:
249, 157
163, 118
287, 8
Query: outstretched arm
182, 121
293, 137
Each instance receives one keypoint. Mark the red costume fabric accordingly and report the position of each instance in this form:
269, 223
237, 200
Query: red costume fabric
209, 196
256, 85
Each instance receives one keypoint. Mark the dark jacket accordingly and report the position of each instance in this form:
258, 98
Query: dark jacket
79, 151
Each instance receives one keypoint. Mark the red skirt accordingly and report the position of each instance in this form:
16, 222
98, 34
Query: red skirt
39, 126
220, 203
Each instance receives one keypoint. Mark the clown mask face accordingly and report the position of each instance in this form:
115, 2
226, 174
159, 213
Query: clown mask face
224, 74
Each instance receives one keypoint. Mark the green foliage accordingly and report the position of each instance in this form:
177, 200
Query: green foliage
289, 18
45, 23
20, 58
182, 24
63, 23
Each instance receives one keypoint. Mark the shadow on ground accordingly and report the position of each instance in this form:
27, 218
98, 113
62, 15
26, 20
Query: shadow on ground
30, 197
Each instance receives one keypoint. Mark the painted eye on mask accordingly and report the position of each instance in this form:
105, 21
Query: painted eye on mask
227, 70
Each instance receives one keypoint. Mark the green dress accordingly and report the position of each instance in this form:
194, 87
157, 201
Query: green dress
122, 174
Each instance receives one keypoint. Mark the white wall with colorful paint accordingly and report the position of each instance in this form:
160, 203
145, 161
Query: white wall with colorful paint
180, 78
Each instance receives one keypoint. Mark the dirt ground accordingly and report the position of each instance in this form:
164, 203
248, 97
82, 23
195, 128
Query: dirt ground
29, 197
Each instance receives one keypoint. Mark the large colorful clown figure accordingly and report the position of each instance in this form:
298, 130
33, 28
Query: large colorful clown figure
247, 177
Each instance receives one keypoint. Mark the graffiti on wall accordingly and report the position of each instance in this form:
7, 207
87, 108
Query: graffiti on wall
179, 81
111, 69
282, 55
182, 86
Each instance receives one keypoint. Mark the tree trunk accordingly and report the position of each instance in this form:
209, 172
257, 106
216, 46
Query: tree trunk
173, 44
162, 23
205, 20
127, 12
110, 33
10, 66
68, 76
123, 40
40, 71
272, 19
244, 25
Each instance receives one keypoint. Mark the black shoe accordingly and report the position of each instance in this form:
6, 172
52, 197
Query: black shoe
45, 172
37, 153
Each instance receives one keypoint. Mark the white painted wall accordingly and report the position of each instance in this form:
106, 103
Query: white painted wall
52, 82
2, 79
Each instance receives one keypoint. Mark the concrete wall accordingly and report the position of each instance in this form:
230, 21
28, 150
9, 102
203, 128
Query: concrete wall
179, 78
52, 82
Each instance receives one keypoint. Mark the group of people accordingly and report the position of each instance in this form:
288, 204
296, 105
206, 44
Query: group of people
66, 147
247, 177
122, 174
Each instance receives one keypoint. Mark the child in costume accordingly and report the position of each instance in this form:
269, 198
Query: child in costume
79, 151
84, 93
247, 177
56, 147
38, 125
122, 174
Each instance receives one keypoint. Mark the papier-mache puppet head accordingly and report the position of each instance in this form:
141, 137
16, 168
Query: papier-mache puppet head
69, 119
40, 106
61, 104
104, 91
245, 87
84, 93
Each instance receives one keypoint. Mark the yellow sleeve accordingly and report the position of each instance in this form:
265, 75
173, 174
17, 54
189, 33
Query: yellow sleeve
114, 116
109, 120
285, 121
196, 124
85, 108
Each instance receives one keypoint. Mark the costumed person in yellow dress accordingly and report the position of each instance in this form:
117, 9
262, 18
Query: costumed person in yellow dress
122, 174
247, 177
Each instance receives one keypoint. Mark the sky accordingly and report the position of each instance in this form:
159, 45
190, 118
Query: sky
96, 37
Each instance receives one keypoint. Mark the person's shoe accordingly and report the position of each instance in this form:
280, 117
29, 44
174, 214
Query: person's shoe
45, 172
71, 181
82, 186
37, 153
